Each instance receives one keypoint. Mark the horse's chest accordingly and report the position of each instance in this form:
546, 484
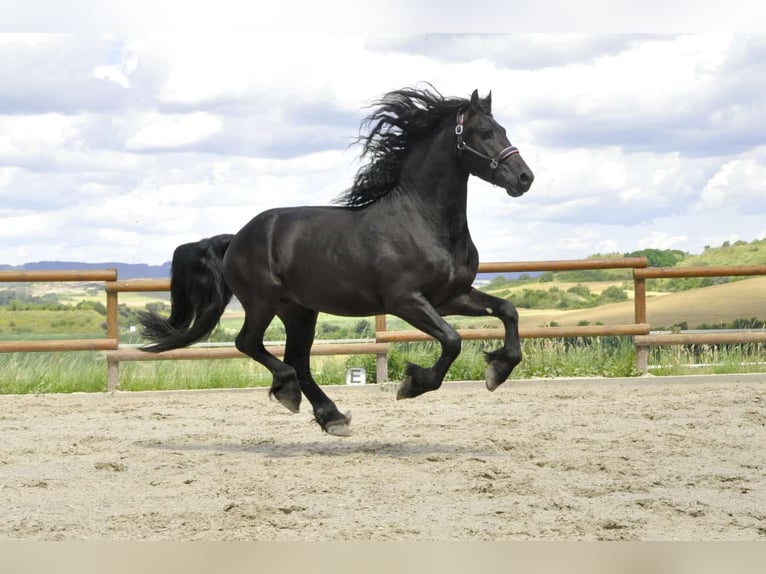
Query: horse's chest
461, 278
453, 278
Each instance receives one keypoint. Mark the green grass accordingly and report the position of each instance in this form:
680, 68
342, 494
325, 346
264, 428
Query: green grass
85, 371
28, 324
31, 373
579, 357
37, 373
707, 359
219, 374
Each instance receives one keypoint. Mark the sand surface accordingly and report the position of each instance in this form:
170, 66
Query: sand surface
635, 459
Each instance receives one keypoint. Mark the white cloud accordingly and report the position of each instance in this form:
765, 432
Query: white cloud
740, 183
29, 134
12, 40
143, 142
663, 240
173, 130
6, 173
23, 226
112, 73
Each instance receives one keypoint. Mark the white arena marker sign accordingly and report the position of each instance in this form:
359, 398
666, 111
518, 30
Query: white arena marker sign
356, 376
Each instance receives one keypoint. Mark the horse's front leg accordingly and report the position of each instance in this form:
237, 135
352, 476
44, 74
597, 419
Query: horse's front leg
419, 313
476, 303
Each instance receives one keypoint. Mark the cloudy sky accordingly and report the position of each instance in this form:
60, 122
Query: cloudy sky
121, 147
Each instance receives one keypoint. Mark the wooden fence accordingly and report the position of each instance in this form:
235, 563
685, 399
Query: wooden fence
114, 356
639, 329
105, 275
644, 341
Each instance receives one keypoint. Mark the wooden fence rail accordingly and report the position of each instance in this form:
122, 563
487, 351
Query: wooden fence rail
564, 265
639, 329
56, 276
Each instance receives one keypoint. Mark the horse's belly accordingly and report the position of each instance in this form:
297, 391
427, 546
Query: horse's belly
335, 302
338, 290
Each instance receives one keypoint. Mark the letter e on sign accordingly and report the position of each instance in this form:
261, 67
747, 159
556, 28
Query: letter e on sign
356, 376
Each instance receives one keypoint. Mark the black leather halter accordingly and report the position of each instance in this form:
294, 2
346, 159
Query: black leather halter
493, 161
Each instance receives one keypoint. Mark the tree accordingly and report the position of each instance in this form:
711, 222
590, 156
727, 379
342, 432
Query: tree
612, 294
498, 282
660, 257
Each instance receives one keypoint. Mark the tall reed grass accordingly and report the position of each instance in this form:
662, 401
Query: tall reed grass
25, 373
708, 359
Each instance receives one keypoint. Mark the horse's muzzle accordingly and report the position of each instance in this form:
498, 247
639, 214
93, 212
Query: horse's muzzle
515, 192
521, 186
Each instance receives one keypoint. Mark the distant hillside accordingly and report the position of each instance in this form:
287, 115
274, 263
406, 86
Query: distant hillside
737, 253
124, 270
485, 278
717, 304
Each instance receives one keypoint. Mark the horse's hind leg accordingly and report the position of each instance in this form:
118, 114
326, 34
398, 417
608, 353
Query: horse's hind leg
300, 324
284, 386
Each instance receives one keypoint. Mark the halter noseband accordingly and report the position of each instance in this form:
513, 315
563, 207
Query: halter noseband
494, 162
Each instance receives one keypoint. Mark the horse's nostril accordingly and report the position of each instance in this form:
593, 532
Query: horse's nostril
526, 178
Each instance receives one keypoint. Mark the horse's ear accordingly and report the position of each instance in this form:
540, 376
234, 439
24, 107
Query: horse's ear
484, 104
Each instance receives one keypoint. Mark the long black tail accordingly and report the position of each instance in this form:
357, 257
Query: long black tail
198, 296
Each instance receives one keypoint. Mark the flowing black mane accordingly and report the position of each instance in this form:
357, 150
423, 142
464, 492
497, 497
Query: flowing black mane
401, 117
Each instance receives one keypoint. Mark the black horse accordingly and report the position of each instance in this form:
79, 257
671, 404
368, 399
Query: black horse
398, 243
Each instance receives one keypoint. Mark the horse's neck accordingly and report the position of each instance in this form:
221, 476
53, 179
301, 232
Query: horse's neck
433, 180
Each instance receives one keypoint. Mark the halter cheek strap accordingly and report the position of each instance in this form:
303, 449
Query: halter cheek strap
494, 162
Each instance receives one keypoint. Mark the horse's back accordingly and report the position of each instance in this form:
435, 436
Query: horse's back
346, 261
313, 256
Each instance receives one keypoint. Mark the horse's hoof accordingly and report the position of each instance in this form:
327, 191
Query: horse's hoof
405, 390
494, 376
339, 427
292, 407
417, 380
290, 401
500, 364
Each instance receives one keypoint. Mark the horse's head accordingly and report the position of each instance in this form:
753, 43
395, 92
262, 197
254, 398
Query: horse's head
485, 150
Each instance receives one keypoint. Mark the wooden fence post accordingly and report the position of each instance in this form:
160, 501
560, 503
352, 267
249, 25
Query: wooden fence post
639, 299
112, 332
112, 376
381, 362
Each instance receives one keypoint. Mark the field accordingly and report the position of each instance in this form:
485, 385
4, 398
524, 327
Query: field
601, 459
717, 303
31, 324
